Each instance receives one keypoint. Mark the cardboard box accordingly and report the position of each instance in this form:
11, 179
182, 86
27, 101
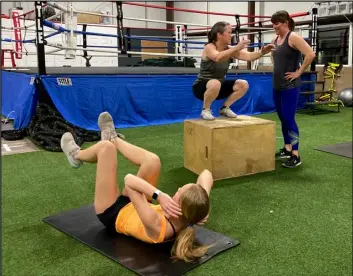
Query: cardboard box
230, 147
89, 19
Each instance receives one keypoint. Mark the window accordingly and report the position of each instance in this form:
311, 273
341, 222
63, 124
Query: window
333, 45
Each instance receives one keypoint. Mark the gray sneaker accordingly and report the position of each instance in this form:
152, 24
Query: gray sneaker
70, 148
106, 125
206, 114
227, 112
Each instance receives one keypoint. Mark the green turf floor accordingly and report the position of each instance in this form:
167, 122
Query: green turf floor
308, 232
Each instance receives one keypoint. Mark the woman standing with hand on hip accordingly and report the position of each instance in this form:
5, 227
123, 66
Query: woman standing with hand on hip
286, 81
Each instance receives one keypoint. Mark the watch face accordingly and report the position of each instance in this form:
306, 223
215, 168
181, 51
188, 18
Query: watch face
155, 194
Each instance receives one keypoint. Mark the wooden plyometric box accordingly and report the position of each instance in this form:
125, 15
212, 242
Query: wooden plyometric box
89, 18
146, 43
230, 147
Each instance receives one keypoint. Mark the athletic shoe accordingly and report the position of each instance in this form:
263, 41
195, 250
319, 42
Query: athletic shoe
206, 114
70, 148
106, 125
283, 153
292, 162
227, 112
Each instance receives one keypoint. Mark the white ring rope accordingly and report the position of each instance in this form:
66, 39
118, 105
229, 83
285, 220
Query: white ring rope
146, 20
60, 46
60, 54
23, 28
27, 27
57, 6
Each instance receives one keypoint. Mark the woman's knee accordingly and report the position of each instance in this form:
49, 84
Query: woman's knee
213, 86
106, 145
241, 85
153, 161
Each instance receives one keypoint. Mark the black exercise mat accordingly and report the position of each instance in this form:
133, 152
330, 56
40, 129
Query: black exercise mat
142, 258
342, 149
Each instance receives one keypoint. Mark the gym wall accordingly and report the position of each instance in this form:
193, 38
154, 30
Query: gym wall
128, 11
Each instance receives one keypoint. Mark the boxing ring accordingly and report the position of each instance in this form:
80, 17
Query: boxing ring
134, 95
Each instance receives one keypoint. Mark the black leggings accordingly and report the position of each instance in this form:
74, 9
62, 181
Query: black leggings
199, 89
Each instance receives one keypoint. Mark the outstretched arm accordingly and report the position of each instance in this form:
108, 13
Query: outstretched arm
251, 56
217, 56
273, 42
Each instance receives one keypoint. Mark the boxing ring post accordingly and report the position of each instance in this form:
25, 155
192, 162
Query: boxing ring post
313, 33
236, 39
40, 38
179, 49
251, 37
70, 21
185, 38
120, 34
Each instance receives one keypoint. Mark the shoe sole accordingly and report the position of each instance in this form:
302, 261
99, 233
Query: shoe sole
227, 116
283, 157
105, 117
207, 119
291, 167
67, 137
102, 119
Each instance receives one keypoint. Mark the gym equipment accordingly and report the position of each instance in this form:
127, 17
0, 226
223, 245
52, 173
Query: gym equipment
342, 149
346, 96
331, 71
142, 258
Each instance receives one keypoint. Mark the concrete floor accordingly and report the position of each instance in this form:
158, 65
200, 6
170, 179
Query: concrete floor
15, 147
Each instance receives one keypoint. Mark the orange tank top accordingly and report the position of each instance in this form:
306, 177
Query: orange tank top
129, 223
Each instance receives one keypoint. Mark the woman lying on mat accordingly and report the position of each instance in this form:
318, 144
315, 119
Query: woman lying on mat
131, 212
210, 84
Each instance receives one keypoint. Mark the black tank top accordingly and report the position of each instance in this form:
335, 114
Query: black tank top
210, 69
285, 59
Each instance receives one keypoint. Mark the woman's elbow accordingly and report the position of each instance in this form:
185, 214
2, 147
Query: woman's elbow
311, 56
216, 58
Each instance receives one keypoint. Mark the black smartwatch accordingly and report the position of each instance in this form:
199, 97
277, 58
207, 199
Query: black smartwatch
156, 194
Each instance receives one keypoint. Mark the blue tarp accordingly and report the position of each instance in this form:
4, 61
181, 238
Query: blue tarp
18, 97
139, 100
133, 100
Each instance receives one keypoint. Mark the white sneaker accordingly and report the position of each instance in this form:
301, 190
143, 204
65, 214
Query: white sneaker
227, 112
70, 148
106, 125
206, 114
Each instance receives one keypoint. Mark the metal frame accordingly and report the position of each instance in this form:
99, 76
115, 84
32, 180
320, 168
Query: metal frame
40, 38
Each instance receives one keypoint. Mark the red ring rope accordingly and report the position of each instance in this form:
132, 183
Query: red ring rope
29, 12
192, 11
251, 23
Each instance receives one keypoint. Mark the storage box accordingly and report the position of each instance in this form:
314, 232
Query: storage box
89, 19
230, 147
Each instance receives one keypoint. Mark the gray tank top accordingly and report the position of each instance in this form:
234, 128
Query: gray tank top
210, 69
285, 59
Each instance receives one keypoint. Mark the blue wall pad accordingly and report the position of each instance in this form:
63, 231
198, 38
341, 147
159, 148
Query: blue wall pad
133, 100
18, 97
140, 100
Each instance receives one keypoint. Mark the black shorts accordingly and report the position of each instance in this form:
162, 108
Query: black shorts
108, 217
199, 89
